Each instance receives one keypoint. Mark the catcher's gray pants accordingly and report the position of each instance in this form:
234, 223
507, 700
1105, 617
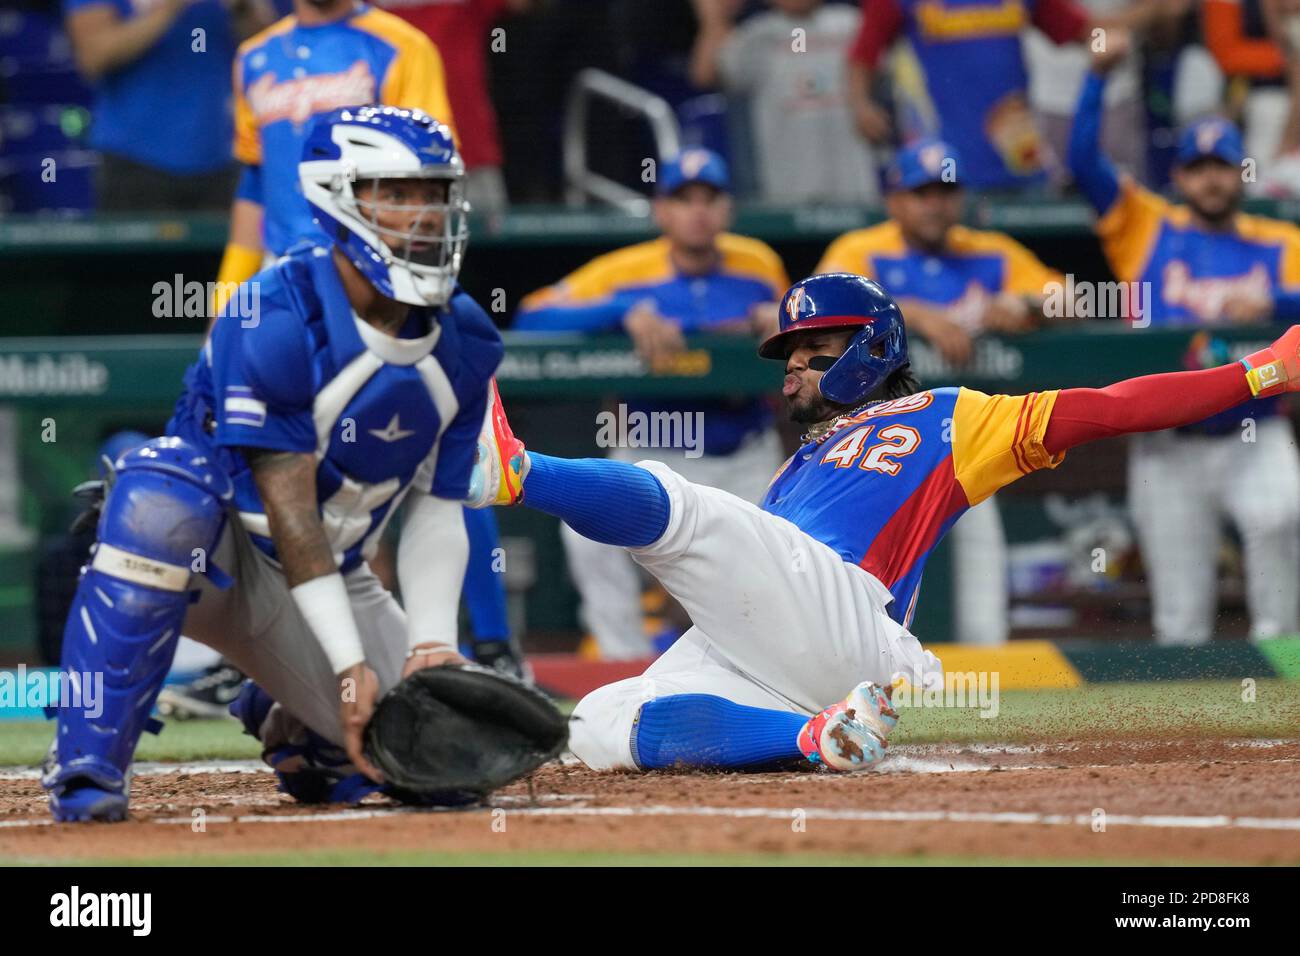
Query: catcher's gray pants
257, 626
1180, 489
781, 621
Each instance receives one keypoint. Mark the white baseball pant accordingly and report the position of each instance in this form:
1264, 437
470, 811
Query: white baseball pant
606, 578
1180, 488
781, 621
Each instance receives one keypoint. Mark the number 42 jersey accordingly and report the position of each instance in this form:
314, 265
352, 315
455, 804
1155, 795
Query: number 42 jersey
884, 484
382, 414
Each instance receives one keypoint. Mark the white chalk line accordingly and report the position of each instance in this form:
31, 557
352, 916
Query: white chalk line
155, 769
902, 758
1153, 821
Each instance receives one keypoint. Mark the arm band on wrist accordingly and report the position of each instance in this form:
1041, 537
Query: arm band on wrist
324, 603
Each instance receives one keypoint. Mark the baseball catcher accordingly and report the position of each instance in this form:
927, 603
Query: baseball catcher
807, 598
359, 385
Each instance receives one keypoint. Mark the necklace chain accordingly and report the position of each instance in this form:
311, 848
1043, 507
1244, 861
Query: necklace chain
820, 431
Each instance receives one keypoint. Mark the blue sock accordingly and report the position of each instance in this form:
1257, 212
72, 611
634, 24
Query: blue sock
701, 730
484, 591
607, 501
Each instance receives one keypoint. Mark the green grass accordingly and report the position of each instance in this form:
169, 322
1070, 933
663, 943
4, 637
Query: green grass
23, 743
1175, 709
1148, 711
357, 857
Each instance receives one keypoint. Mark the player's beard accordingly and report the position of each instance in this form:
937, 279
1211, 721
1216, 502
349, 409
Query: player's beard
810, 411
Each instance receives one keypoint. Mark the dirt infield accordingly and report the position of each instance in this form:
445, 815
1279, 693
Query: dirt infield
1207, 801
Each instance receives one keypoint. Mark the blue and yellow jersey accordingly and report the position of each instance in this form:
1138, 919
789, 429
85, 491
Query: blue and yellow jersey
976, 266
885, 484
596, 297
288, 74
1195, 273
975, 77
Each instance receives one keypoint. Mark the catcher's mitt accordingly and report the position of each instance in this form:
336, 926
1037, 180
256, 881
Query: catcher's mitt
451, 734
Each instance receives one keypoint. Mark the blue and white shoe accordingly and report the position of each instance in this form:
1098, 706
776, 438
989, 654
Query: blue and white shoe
850, 735
90, 791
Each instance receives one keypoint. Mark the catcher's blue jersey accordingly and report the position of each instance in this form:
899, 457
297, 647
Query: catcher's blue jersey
381, 414
884, 485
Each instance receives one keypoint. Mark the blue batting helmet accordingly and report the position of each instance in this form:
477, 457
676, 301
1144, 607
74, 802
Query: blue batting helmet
367, 143
840, 300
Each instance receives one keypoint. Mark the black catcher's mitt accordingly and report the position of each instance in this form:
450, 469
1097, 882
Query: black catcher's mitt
454, 733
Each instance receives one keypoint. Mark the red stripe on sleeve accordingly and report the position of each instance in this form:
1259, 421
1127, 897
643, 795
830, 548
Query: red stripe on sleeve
1017, 451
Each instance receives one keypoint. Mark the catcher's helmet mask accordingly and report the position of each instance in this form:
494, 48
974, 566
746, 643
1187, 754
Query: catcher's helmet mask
356, 146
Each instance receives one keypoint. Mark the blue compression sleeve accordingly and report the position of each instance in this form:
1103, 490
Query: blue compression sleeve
701, 730
484, 591
607, 501
1092, 171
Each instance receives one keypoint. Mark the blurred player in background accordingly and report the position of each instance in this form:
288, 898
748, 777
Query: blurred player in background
362, 386
789, 63
1203, 262
800, 601
976, 86
695, 278
954, 284
160, 151
326, 54
460, 31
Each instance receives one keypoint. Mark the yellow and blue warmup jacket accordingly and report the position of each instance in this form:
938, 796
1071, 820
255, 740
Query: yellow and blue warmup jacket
975, 266
597, 296
288, 74
1192, 272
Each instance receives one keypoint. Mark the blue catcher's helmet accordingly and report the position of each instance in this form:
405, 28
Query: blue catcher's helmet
840, 300
357, 144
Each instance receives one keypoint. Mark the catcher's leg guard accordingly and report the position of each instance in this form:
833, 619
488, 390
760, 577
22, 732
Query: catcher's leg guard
161, 521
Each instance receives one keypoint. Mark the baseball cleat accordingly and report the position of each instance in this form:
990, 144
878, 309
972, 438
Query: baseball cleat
503, 656
850, 735
207, 696
90, 792
88, 804
500, 464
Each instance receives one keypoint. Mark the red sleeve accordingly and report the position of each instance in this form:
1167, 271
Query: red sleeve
1147, 404
1062, 20
882, 21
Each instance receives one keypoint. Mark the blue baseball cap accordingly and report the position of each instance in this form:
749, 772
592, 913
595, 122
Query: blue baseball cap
923, 162
693, 165
1213, 136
